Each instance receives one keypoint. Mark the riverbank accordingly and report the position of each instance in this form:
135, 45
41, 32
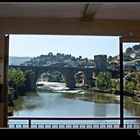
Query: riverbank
109, 91
115, 92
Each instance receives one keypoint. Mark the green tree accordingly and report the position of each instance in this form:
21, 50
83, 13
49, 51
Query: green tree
129, 50
17, 81
136, 47
116, 86
110, 58
133, 77
129, 87
50, 54
82, 63
54, 76
103, 80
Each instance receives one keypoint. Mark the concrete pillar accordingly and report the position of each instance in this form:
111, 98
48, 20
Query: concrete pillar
4, 45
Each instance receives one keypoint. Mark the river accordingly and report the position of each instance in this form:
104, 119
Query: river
61, 102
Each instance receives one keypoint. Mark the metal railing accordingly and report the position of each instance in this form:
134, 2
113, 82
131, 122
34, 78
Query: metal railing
45, 122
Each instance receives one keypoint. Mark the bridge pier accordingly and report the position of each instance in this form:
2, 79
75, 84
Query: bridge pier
31, 83
71, 83
69, 78
88, 80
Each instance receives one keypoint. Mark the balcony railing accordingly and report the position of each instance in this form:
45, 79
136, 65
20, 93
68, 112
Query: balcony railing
45, 122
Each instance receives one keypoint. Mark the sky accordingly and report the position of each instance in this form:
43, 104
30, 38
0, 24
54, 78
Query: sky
85, 46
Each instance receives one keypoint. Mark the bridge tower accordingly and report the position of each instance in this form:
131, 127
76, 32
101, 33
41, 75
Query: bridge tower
100, 62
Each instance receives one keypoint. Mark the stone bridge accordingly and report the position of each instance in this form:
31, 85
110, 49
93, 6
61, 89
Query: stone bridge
67, 72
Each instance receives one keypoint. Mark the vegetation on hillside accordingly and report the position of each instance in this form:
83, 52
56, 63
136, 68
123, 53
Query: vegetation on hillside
103, 80
64, 60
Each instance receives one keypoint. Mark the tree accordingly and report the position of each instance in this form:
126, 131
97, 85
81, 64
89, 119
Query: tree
136, 47
82, 63
110, 58
133, 77
79, 58
129, 51
17, 81
54, 76
50, 54
103, 80
116, 86
129, 86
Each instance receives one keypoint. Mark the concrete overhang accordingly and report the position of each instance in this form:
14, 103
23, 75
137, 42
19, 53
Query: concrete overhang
91, 18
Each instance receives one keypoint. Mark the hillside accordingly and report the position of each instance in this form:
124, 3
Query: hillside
132, 53
62, 60
15, 60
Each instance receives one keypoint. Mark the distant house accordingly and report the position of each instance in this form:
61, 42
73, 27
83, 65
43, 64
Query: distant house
137, 66
70, 63
126, 57
137, 54
129, 66
113, 65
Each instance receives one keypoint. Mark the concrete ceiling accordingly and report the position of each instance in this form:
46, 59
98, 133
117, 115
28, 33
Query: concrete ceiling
106, 10
87, 18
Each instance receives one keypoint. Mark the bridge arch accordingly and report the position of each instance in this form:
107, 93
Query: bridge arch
51, 76
67, 72
79, 77
87, 77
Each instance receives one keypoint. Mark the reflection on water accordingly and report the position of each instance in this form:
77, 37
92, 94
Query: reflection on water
133, 105
101, 98
73, 103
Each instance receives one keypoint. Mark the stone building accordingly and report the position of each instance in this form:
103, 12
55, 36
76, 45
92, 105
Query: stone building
100, 62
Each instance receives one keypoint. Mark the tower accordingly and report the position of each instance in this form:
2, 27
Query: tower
100, 62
